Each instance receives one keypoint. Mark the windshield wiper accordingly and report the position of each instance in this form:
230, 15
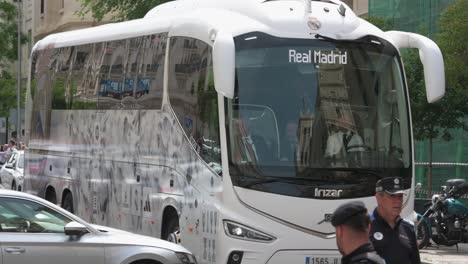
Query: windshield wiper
369, 39
270, 179
375, 172
324, 37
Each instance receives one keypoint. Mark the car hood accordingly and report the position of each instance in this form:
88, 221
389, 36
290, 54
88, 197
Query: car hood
115, 236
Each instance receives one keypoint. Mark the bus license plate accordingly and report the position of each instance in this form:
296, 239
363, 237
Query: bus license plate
322, 260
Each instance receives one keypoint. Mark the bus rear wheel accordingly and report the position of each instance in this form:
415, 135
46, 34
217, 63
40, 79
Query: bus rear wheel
170, 229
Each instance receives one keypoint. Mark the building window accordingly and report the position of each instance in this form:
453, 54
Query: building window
42, 6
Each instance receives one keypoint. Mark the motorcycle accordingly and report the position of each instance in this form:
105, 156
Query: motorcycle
446, 219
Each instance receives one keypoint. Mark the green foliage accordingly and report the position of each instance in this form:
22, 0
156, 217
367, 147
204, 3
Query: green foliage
7, 93
453, 41
383, 23
8, 32
8, 53
434, 120
121, 9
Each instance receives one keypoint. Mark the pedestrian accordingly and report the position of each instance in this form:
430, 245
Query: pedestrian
5, 155
393, 237
351, 222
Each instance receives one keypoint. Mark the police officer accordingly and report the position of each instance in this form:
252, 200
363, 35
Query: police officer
351, 222
394, 238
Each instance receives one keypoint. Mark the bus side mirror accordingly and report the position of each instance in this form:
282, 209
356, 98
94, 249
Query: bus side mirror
224, 64
431, 58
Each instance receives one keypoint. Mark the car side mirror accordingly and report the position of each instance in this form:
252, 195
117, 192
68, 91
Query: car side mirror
75, 229
9, 165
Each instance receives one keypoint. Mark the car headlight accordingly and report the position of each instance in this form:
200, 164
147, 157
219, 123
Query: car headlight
186, 258
239, 231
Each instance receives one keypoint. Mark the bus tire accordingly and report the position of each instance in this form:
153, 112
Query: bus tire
50, 195
146, 261
170, 227
67, 202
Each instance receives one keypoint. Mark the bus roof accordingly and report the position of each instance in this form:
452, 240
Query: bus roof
200, 18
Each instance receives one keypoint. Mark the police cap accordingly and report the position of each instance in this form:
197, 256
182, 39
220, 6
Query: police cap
345, 211
391, 185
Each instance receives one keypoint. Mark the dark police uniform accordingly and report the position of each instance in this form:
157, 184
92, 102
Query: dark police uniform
365, 254
397, 245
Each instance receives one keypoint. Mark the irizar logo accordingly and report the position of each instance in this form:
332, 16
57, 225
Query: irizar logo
326, 57
328, 193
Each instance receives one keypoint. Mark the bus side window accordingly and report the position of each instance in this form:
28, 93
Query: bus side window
193, 97
60, 81
148, 92
81, 91
111, 74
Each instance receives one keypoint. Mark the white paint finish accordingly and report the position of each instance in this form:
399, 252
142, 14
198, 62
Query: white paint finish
155, 141
431, 58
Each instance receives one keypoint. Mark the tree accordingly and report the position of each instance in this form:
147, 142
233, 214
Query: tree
431, 121
7, 93
122, 9
8, 33
385, 24
8, 54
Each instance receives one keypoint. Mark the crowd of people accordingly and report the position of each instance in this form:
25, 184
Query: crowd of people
7, 149
381, 237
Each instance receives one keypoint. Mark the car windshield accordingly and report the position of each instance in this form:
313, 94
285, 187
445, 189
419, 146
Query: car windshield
317, 112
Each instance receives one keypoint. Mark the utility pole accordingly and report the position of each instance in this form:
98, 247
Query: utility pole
18, 91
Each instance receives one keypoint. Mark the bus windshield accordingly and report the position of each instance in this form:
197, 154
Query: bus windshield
317, 113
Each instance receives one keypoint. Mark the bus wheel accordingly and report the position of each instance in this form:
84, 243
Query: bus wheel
67, 202
50, 195
170, 228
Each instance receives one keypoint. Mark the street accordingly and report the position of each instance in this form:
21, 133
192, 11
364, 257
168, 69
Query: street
445, 255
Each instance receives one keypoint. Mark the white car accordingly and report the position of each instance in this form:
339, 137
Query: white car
33, 230
11, 173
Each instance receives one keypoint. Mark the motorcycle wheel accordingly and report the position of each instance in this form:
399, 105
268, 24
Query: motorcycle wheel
443, 242
423, 234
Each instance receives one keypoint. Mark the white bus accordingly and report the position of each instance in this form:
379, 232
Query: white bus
234, 127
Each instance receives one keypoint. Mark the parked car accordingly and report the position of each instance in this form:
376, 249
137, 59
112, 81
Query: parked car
33, 230
11, 173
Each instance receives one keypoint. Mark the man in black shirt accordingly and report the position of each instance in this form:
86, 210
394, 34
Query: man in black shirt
394, 238
352, 234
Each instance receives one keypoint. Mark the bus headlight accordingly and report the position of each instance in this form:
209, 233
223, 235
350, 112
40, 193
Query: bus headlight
186, 258
239, 231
